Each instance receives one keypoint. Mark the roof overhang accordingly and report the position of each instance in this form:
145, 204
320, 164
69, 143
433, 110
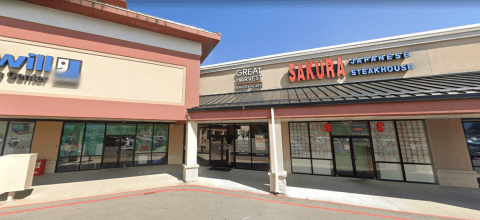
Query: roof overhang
119, 15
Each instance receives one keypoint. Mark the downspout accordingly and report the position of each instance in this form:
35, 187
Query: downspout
275, 163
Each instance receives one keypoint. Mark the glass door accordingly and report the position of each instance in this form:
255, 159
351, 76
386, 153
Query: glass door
362, 155
216, 150
343, 157
228, 151
125, 157
110, 152
353, 157
118, 151
222, 152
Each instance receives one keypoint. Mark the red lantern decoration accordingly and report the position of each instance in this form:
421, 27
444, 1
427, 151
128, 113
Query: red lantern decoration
328, 127
380, 127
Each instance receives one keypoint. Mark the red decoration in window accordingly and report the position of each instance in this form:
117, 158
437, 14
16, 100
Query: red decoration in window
380, 127
328, 127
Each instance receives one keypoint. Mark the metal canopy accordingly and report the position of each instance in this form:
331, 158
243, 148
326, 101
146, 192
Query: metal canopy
448, 86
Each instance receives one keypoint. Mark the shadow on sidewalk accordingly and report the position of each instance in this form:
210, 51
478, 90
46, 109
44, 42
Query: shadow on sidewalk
455, 196
251, 178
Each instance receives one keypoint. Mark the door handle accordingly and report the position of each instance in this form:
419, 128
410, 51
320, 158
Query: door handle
354, 157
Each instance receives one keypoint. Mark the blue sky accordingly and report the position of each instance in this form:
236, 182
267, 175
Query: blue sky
258, 28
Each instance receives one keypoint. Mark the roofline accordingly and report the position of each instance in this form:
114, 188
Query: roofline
127, 17
344, 102
148, 16
348, 48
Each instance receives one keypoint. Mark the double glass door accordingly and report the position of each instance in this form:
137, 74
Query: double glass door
353, 157
118, 151
222, 152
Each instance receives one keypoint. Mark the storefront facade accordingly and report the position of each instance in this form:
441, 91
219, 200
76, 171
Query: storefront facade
93, 85
399, 109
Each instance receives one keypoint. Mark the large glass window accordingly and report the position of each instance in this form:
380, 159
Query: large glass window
472, 134
385, 147
19, 138
243, 146
203, 146
71, 147
311, 148
144, 143
413, 144
84, 145
400, 149
3, 132
259, 143
93, 147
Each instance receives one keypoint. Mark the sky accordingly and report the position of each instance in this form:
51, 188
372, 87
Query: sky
252, 29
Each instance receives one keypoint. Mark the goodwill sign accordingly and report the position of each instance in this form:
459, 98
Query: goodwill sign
66, 71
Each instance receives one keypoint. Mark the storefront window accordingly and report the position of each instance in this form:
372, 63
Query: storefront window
143, 148
259, 142
300, 148
472, 134
3, 132
121, 129
90, 146
160, 144
413, 144
93, 147
203, 146
387, 155
19, 138
398, 150
71, 147
160, 140
243, 147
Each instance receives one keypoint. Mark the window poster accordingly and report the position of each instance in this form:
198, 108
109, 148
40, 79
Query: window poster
160, 138
142, 158
19, 138
144, 138
94, 136
260, 142
121, 129
72, 139
242, 141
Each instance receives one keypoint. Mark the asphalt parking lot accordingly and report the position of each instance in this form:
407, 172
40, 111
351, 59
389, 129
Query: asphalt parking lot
193, 202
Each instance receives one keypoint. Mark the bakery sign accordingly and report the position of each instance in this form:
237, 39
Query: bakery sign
320, 69
248, 79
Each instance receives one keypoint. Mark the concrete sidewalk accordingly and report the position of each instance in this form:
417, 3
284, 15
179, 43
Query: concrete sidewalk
398, 196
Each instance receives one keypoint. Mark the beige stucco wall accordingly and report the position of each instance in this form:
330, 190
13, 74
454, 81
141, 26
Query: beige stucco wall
45, 142
103, 76
175, 151
287, 161
450, 153
448, 144
450, 56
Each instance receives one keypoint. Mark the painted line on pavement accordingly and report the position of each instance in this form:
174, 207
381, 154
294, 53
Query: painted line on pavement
206, 191
280, 196
335, 203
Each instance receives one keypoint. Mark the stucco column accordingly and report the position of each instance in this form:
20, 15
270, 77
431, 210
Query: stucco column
190, 168
276, 164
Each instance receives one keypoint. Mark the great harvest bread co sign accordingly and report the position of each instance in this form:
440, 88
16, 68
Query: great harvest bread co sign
327, 69
248, 79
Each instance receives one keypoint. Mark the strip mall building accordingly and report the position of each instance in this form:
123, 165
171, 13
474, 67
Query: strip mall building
92, 85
